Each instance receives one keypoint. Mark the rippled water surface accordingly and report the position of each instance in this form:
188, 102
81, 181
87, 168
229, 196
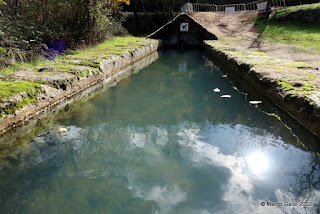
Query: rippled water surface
162, 141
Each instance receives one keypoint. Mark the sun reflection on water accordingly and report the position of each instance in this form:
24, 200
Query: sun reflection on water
258, 163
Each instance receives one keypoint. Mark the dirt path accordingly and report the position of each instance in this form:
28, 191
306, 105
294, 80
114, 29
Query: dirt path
240, 26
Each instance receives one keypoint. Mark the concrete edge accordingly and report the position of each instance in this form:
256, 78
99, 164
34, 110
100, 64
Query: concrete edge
109, 67
297, 107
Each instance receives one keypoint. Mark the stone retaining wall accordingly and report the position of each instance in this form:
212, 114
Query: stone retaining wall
52, 96
306, 110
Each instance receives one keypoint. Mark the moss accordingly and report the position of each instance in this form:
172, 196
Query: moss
3, 50
93, 56
88, 57
10, 88
307, 50
81, 63
306, 93
285, 85
298, 64
288, 85
231, 39
28, 91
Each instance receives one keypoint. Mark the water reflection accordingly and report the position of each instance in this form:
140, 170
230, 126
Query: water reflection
258, 163
162, 142
153, 169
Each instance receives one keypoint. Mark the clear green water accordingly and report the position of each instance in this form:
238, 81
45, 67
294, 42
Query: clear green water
162, 141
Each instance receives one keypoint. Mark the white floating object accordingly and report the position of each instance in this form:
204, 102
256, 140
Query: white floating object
226, 96
225, 76
255, 102
62, 129
216, 90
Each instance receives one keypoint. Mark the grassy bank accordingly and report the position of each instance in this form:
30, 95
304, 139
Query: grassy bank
302, 34
21, 84
288, 26
299, 10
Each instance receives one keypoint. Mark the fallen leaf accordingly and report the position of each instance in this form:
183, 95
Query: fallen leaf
61, 129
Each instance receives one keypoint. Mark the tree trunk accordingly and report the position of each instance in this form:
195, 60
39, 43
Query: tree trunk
135, 9
268, 9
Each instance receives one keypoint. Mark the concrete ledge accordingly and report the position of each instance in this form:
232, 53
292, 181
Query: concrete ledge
52, 96
292, 86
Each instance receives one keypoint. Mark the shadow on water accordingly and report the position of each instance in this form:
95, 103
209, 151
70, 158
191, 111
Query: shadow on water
162, 141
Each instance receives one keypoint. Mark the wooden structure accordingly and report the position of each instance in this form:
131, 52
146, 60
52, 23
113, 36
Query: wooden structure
183, 31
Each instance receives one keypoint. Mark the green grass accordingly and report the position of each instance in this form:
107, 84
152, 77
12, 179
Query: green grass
302, 34
11, 88
306, 8
88, 62
287, 26
117, 44
91, 56
308, 51
13, 68
29, 92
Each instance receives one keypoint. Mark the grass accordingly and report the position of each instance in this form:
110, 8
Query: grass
11, 88
90, 57
299, 8
302, 34
300, 86
116, 45
29, 92
81, 63
305, 50
288, 26
12, 69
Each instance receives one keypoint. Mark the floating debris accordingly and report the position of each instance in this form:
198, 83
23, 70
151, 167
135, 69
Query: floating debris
255, 102
62, 129
226, 96
216, 90
225, 76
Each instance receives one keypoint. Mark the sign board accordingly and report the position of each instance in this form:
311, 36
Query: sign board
183, 66
184, 27
186, 8
230, 10
262, 6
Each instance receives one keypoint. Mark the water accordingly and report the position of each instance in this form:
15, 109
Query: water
162, 141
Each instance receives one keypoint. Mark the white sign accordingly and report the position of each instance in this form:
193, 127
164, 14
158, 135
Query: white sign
230, 10
186, 8
184, 27
183, 66
262, 6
